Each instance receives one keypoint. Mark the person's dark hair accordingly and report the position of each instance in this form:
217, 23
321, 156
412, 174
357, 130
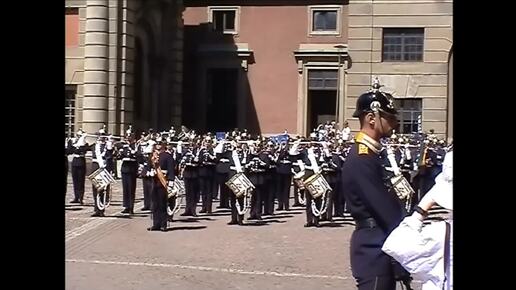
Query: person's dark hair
361, 118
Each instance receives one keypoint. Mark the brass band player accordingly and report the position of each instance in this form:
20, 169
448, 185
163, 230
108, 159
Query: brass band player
283, 170
129, 154
298, 173
310, 157
223, 156
100, 152
77, 147
338, 157
256, 170
237, 162
147, 174
271, 178
206, 174
163, 167
189, 167
330, 165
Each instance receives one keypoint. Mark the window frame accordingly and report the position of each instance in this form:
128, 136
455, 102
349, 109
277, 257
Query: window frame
236, 9
324, 79
401, 34
413, 114
316, 8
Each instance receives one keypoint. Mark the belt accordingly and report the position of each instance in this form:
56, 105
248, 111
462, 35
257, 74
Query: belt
77, 155
128, 159
366, 223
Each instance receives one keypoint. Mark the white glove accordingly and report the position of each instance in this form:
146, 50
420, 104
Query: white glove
170, 186
414, 222
179, 147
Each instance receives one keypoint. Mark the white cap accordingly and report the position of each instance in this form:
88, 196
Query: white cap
442, 191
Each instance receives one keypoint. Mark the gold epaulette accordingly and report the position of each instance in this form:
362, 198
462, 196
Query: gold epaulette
362, 149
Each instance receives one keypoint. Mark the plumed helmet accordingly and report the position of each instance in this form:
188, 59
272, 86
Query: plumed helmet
375, 100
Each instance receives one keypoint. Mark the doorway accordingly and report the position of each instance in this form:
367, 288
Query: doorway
221, 99
322, 97
321, 107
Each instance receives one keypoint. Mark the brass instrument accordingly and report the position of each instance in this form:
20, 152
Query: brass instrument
155, 164
176, 187
105, 136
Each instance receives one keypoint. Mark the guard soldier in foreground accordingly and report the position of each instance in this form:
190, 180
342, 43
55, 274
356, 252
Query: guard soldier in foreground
375, 209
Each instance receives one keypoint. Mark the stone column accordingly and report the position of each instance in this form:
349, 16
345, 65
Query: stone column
96, 53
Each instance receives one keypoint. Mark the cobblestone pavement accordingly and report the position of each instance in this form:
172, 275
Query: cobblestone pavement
117, 252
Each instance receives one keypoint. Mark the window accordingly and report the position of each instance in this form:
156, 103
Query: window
224, 19
403, 44
322, 79
70, 91
409, 115
325, 20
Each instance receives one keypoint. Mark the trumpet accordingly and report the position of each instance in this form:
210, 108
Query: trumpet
105, 136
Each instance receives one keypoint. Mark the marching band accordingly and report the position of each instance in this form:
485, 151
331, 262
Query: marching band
246, 174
